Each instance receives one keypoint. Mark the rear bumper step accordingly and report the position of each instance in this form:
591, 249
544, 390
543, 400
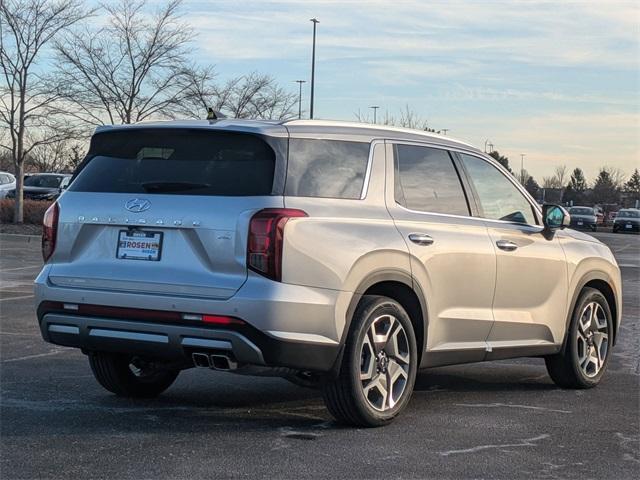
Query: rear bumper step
142, 338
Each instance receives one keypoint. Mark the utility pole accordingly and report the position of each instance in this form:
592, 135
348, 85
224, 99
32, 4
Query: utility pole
313, 64
491, 147
375, 109
522, 155
487, 141
300, 82
444, 131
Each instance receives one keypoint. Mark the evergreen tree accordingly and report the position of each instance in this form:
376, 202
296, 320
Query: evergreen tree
532, 187
633, 185
605, 189
501, 159
576, 189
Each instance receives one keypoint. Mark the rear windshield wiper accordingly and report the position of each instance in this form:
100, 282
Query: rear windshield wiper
154, 187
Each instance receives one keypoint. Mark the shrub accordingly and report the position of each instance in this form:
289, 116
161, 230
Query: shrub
33, 210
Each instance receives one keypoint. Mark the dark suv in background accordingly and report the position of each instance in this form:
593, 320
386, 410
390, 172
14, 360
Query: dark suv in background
583, 218
627, 220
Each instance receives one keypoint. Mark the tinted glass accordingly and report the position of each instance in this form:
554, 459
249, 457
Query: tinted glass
628, 214
581, 211
427, 181
499, 198
44, 181
172, 161
326, 168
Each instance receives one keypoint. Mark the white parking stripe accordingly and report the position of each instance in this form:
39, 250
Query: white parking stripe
18, 268
29, 357
16, 298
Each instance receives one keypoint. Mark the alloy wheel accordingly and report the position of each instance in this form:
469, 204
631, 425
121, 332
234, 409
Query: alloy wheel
384, 364
592, 339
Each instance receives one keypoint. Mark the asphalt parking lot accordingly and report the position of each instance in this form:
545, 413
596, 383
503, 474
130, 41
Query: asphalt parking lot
493, 420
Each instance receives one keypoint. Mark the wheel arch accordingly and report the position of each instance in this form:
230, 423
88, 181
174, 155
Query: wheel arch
602, 282
401, 287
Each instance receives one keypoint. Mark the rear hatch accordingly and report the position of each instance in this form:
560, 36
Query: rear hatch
165, 211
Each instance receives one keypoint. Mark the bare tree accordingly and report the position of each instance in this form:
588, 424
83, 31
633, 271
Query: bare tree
30, 102
132, 69
63, 155
248, 96
406, 118
558, 179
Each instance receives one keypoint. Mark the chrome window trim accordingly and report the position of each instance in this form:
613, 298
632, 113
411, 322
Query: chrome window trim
367, 173
487, 159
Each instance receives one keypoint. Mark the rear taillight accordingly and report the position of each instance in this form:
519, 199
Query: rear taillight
266, 234
50, 230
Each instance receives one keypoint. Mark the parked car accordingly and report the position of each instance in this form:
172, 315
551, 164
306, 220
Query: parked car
338, 255
627, 220
43, 186
583, 218
7, 183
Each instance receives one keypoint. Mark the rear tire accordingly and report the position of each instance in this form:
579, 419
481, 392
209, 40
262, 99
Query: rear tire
588, 347
128, 376
379, 366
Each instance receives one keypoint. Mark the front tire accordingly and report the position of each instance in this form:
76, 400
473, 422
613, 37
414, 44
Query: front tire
379, 366
128, 376
586, 354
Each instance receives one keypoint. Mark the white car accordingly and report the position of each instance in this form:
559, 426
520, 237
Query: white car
7, 183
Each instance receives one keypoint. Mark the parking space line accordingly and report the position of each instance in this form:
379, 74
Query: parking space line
16, 298
18, 268
29, 357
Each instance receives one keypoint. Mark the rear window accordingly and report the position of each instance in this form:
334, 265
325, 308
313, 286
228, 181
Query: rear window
172, 161
43, 181
581, 211
326, 168
628, 214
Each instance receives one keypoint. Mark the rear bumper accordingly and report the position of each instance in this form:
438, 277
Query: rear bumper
287, 325
179, 342
622, 227
585, 226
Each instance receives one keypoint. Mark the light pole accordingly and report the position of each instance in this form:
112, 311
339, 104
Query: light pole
300, 82
487, 141
490, 147
444, 131
375, 109
313, 64
522, 155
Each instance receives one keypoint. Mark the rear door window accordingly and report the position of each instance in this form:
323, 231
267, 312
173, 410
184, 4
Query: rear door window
427, 181
326, 168
177, 161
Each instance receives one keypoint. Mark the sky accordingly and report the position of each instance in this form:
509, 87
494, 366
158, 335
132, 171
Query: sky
558, 81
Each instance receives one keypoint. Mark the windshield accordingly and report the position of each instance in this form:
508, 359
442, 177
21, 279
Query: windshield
628, 214
178, 161
581, 211
44, 181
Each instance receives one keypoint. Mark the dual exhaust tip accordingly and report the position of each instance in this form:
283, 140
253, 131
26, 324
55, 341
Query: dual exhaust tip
214, 361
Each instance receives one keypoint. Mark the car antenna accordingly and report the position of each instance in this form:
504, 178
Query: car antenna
213, 115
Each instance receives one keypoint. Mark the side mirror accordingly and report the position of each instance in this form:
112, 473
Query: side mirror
555, 217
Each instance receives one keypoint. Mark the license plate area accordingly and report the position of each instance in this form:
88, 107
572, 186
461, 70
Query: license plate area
628, 226
139, 245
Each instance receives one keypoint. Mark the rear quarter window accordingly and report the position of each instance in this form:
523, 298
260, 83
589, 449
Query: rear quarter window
326, 168
177, 161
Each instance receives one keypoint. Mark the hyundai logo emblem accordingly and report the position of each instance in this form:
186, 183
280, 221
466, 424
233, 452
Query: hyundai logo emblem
137, 205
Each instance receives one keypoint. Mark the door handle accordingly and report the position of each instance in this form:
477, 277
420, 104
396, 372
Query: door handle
421, 238
506, 245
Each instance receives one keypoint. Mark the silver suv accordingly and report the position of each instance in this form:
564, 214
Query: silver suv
337, 255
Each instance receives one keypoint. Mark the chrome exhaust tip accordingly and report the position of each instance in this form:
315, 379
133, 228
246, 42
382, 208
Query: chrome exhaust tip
222, 362
201, 360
